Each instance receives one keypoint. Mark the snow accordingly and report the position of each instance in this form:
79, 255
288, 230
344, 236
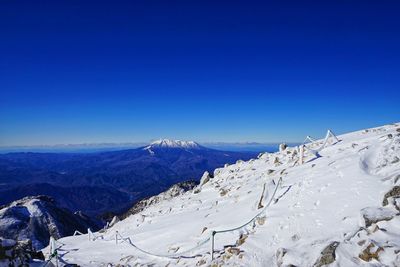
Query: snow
318, 203
174, 144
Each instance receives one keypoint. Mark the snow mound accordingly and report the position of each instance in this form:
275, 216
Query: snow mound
317, 215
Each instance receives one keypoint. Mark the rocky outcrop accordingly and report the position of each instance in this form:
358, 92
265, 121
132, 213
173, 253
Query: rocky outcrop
173, 191
371, 252
327, 255
394, 192
372, 215
37, 218
17, 253
205, 178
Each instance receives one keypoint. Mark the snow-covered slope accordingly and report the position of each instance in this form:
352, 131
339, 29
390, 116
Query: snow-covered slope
173, 191
339, 209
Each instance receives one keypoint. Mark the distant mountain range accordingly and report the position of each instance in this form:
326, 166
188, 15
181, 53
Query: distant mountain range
108, 181
104, 147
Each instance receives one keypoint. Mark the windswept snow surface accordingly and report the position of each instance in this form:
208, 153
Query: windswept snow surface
323, 202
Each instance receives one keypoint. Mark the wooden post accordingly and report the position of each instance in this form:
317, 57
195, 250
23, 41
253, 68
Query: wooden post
301, 154
51, 245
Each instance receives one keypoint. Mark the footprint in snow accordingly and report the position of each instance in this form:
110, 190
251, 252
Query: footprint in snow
340, 174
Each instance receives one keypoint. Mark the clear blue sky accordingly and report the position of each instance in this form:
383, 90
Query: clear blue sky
116, 71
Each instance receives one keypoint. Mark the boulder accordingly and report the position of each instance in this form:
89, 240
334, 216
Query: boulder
282, 147
327, 255
241, 239
370, 252
372, 215
205, 178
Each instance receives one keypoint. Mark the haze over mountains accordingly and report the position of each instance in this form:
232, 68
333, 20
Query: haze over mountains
104, 147
108, 181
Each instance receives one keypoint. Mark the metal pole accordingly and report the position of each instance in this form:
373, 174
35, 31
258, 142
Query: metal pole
212, 244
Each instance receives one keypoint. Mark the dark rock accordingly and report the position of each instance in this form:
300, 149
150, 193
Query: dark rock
327, 255
394, 192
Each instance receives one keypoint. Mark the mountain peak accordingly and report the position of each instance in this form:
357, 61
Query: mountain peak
168, 143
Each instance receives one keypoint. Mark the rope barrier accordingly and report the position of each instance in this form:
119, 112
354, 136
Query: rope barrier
119, 237
77, 233
53, 250
184, 253
315, 152
257, 215
173, 256
128, 240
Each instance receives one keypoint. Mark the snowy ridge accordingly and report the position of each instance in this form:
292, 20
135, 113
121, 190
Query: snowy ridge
340, 208
37, 218
168, 143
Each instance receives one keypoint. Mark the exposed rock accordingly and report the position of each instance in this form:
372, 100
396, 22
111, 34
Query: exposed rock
261, 220
376, 214
361, 242
241, 239
370, 252
269, 171
205, 178
37, 218
232, 251
18, 253
277, 162
327, 255
201, 262
295, 237
223, 192
280, 253
282, 147
173, 191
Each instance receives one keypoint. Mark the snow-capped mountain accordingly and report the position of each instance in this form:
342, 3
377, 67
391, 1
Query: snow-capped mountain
108, 181
37, 218
168, 143
337, 206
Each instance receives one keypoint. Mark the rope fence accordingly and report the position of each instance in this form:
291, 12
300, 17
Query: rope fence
118, 238
315, 152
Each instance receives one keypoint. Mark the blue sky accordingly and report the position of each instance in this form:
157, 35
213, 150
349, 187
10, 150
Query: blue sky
129, 71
